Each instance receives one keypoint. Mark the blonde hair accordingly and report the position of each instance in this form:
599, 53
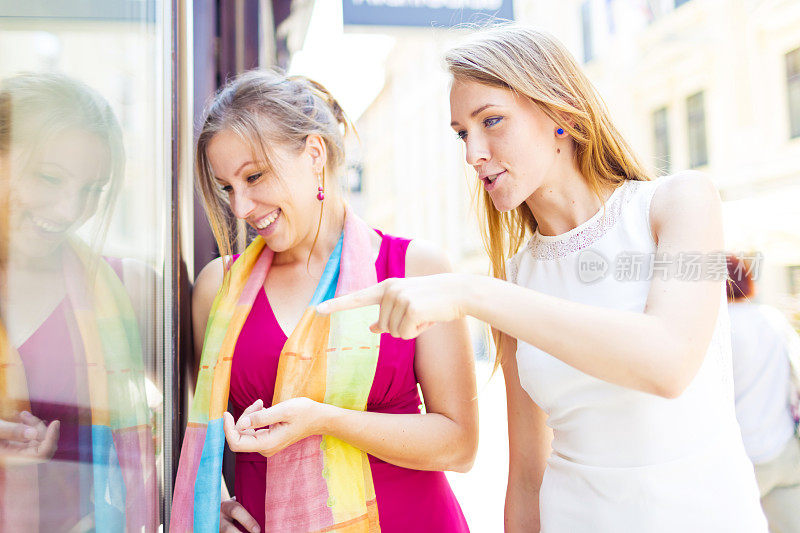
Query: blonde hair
535, 65
266, 108
35, 108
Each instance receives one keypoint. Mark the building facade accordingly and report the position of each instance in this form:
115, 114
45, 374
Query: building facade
704, 84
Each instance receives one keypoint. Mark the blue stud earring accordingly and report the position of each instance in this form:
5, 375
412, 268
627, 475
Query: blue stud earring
560, 131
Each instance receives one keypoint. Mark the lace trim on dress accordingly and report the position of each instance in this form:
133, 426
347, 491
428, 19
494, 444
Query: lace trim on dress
512, 269
584, 235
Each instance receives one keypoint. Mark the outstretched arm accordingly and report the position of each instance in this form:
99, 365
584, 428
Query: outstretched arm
657, 351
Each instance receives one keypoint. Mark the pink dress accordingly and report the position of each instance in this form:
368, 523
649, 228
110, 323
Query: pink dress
408, 500
58, 387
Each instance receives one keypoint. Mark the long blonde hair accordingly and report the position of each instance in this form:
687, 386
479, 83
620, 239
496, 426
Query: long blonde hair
266, 108
534, 64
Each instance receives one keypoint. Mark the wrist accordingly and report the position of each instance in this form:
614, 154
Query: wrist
470, 290
325, 419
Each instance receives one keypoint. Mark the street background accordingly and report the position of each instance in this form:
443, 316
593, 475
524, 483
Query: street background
712, 85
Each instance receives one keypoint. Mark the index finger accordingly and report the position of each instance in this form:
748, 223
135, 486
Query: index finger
354, 300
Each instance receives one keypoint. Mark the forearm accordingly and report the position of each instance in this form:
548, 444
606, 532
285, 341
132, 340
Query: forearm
630, 349
521, 513
428, 441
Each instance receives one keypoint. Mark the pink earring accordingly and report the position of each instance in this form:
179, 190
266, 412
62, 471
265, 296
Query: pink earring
320, 189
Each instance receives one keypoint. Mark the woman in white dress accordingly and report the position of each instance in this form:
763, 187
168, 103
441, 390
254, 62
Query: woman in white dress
608, 332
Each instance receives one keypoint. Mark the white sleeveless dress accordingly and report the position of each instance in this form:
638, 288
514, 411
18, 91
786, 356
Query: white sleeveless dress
627, 461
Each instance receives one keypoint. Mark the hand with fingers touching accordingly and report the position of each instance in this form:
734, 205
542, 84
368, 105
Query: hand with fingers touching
408, 306
232, 511
268, 431
28, 441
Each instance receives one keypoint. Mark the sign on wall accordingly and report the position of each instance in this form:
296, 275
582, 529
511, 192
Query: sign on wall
424, 13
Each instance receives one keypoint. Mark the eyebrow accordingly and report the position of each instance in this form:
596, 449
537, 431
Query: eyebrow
60, 167
102, 179
472, 115
241, 167
222, 180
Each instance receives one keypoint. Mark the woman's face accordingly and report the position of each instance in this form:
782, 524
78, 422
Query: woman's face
57, 193
281, 205
509, 141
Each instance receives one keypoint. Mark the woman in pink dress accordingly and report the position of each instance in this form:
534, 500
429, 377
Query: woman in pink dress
61, 147
269, 154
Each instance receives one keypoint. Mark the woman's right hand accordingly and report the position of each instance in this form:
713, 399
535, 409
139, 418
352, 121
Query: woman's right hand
232, 511
28, 441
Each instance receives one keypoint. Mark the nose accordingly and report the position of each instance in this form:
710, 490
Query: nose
477, 151
241, 204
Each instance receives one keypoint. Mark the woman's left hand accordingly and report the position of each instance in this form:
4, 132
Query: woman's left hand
408, 306
289, 421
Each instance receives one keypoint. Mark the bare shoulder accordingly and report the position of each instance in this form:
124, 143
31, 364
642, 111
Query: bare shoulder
424, 258
137, 269
688, 198
207, 283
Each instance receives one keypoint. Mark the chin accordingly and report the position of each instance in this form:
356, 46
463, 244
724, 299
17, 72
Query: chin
277, 243
504, 205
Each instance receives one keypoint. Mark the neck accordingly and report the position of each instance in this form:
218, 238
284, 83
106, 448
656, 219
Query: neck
564, 202
319, 249
19, 263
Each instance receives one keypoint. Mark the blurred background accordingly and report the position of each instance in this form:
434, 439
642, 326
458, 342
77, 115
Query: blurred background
712, 85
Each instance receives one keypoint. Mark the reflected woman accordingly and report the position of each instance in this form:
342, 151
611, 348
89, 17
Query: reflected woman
76, 444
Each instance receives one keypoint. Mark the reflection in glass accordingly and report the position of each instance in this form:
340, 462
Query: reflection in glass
76, 434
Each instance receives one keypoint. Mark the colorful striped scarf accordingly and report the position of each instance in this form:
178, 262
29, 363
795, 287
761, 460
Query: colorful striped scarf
122, 493
319, 483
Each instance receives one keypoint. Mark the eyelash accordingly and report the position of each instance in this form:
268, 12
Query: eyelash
250, 179
49, 179
487, 122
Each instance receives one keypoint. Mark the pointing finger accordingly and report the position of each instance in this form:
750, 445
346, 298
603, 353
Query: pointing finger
369, 296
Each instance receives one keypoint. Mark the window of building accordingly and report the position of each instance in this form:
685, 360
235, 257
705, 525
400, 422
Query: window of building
90, 113
354, 177
696, 128
793, 91
661, 140
586, 25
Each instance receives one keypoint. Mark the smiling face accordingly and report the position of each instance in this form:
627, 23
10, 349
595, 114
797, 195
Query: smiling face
57, 193
509, 140
280, 204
